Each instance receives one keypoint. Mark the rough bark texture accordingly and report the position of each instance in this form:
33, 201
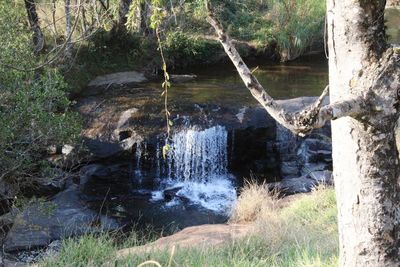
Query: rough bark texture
364, 86
38, 39
301, 123
68, 28
365, 158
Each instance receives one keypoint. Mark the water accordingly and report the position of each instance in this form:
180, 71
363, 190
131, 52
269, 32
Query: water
220, 84
199, 155
392, 16
196, 169
193, 185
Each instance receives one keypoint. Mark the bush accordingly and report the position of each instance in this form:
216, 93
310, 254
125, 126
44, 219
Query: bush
296, 25
182, 50
34, 109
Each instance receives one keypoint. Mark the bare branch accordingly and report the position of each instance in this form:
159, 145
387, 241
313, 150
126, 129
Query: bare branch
301, 123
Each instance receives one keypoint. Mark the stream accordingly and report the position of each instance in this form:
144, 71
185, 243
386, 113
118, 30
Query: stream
219, 138
200, 177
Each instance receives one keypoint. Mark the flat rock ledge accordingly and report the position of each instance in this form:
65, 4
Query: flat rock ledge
209, 235
118, 78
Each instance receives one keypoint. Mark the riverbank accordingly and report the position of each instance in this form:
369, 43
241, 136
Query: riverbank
301, 232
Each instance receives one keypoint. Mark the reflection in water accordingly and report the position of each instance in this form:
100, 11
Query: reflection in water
221, 84
392, 16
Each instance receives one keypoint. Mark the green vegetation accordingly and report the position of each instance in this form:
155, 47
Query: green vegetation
34, 109
302, 233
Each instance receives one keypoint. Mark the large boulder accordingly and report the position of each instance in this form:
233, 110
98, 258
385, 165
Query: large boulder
42, 222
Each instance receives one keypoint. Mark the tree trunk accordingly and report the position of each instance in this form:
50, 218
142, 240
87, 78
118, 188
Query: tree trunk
123, 11
365, 157
33, 18
68, 29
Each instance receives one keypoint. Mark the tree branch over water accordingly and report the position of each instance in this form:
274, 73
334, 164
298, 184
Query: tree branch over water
302, 122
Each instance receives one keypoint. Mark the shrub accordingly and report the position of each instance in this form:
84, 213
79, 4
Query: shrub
183, 50
296, 25
34, 109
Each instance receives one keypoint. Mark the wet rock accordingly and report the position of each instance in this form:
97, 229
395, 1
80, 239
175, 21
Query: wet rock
65, 215
170, 193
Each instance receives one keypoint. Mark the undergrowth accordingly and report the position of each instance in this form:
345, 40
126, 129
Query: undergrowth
301, 233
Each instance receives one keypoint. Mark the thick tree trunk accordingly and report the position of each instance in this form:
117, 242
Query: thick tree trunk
33, 18
365, 157
364, 86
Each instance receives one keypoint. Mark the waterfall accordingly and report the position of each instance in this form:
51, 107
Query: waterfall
197, 165
198, 155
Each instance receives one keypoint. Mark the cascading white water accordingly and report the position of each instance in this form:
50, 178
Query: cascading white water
197, 164
199, 155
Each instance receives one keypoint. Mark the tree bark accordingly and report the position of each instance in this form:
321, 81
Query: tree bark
68, 29
33, 18
364, 77
365, 157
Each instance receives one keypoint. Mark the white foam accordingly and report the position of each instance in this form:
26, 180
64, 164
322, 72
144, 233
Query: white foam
157, 196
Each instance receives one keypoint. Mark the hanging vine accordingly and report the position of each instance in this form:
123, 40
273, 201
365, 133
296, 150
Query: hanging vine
159, 13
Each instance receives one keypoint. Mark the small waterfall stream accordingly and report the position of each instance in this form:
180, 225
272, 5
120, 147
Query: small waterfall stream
196, 168
199, 155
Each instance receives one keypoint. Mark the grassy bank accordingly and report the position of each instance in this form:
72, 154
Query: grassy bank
301, 233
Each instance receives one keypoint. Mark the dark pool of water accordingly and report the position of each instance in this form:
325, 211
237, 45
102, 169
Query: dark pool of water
220, 84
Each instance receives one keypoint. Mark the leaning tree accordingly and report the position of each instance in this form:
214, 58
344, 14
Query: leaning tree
364, 88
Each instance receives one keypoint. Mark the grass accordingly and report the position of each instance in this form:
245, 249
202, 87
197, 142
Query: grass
303, 233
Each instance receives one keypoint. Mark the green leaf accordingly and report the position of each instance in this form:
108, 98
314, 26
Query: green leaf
165, 150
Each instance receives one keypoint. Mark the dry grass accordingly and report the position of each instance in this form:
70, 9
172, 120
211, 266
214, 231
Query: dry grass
254, 201
301, 233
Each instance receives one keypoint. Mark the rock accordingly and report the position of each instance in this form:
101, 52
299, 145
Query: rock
170, 193
6, 221
103, 172
289, 169
7, 195
52, 184
11, 263
182, 78
310, 167
293, 185
102, 149
119, 78
64, 216
322, 177
196, 236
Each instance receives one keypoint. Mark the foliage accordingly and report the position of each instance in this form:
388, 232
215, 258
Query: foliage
182, 50
302, 234
34, 109
296, 25
89, 250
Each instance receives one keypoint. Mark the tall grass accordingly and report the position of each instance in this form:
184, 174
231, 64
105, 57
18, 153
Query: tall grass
303, 233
